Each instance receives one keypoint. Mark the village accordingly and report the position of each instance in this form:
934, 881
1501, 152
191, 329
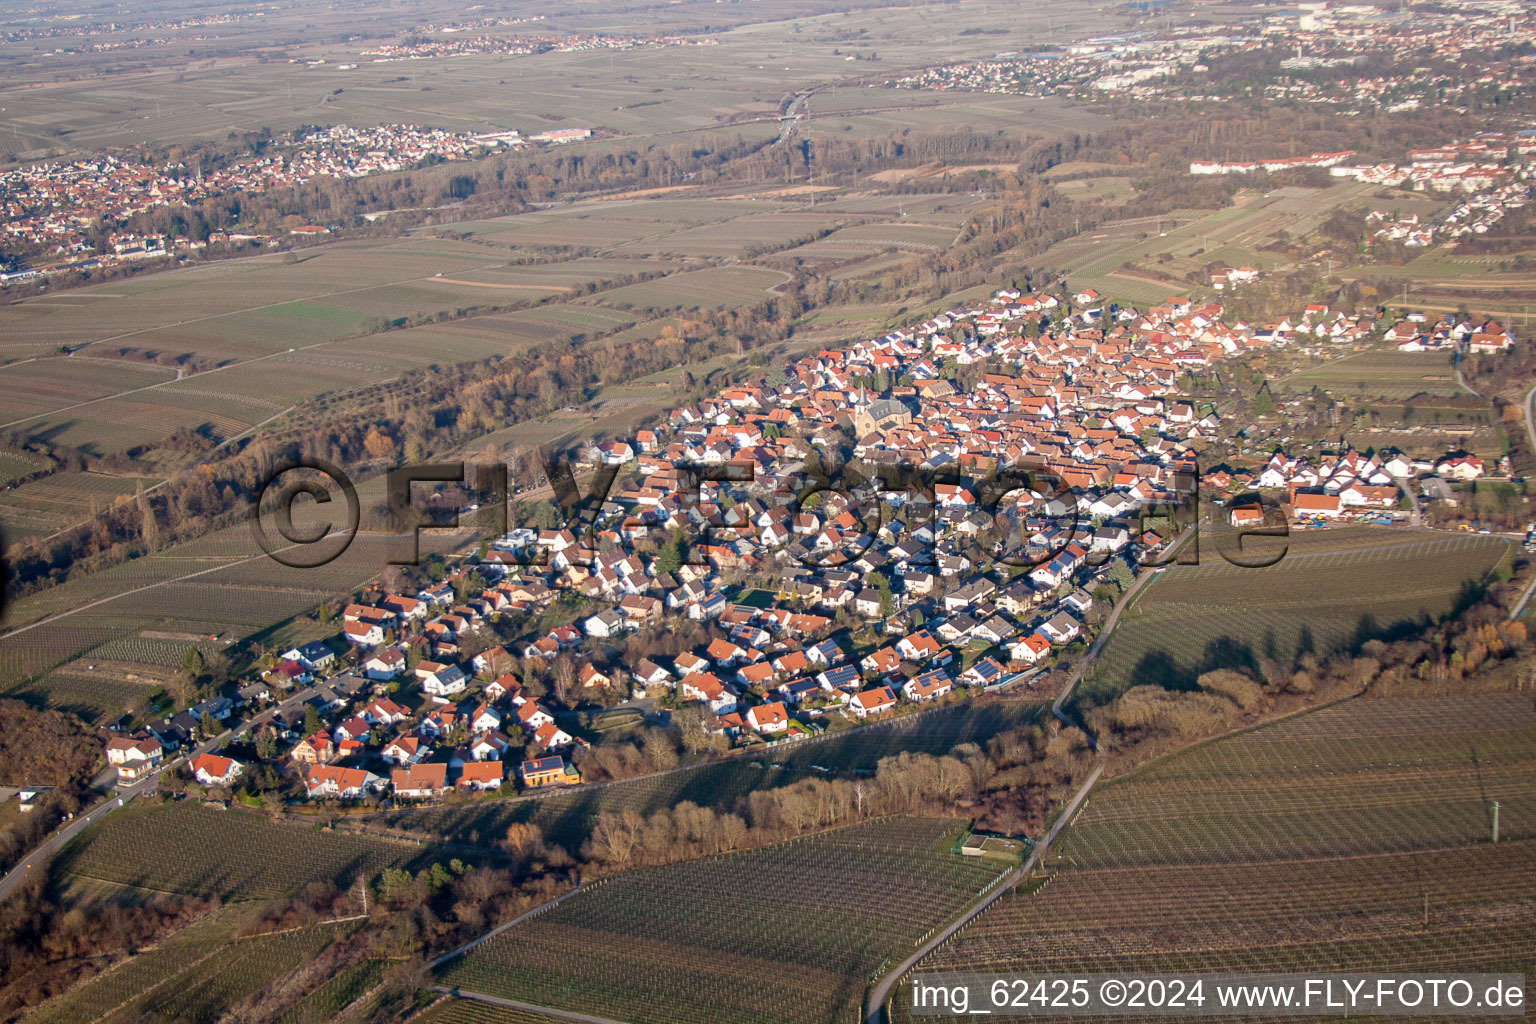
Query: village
809, 618
1329, 46
458, 46
53, 208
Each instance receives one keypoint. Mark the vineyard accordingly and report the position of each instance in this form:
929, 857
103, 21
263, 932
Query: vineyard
790, 933
465, 1011
61, 500
157, 651
1383, 374
186, 848
936, 732
336, 994
1363, 777
199, 972
1354, 837
236, 970
94, 696
151, 970
566, 818
1319, 597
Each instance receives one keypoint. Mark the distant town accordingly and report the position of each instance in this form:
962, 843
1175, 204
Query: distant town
50, 208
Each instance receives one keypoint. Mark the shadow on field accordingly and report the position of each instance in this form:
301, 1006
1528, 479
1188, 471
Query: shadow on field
1160, 667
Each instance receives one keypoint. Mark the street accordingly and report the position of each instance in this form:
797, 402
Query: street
121, 794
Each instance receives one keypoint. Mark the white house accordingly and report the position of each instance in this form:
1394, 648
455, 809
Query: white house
872, 702
385, 665
213, 770
768, 718
134, 758
327, 780
444, 682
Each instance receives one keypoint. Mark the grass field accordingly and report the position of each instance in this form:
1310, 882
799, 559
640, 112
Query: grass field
1352, 837
1381, 374
1332, 590
787, 933
189, 849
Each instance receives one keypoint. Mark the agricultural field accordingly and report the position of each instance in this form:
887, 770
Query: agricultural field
141, 615
467, 1011
152, 970
634, 97
14, 466
786, 933
715, 288
96, 694
1186, 241
268, 333
59, 500
191, 850
934, 732
1320, 597
45, 384
566, 818
1384, 373
335, 994
200, 972
1352, 837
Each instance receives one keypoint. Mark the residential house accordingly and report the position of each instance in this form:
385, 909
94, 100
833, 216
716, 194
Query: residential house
548, 771
768, 718
872, 702
419, 781
213, 770
444, 682
481, 775
330, 781
134, 757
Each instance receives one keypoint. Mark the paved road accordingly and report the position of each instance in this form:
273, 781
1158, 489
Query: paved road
791, 115
1142, 581
125, 793
1530, 433
1530, 425
543, 1011
874, 1007
1415, 518
58, 838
